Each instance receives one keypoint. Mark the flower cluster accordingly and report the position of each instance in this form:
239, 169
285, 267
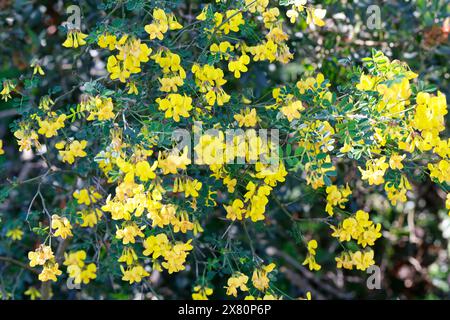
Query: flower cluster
77, 269
43, 256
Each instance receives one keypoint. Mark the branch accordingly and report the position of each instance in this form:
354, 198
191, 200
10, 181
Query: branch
18, 263
310, 276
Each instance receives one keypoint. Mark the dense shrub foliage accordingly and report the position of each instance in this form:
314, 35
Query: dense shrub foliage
251, 149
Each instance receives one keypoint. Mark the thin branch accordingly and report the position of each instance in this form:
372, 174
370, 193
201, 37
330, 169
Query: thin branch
18, 263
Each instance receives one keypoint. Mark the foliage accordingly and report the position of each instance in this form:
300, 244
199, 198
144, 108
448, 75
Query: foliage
106, 201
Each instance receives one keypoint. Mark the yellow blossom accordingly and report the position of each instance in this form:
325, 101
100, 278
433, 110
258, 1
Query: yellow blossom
292, 110
260, 278
201, 293
87, 196
33, 293
239, 65
237, 281
50, 272
62, 226
395, 162
129, 233
247, 118
40, 255
14, 234
134, 274
75, 38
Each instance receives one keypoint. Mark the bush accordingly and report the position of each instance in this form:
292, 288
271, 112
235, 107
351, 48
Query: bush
230, 149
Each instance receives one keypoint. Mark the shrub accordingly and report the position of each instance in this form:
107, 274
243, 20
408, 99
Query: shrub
168, 147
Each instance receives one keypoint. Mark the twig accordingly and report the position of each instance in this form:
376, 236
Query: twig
18, 263
310, 276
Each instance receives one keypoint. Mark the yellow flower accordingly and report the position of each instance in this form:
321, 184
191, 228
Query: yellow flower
395, 162
15, 234
397, 193
107, 41
366, 82
33, 293
277, 35
77, 269
134, 274
75, 38
71, 150
210, 81
100, 108
247, 118
197, 228
292, 110
40, 255
375, 170
132, 89
173, 161
440, 171
230, 183
270, 16
201, 293
117, 70
82, 274
210, 149
87, 196
271, 173
132, 52
182, 223
192, 187
259, 278
447, 203
358, 228
144, 171
239, 65
8, 87
231, 22
316, 16
50, 126
175, 105
46, 103
129, 233
223, 49
370, 235
1, 147
235, 211
344, 261
176, 257
257, 198
337, 197
37, 68
256, 5
346, 148
292, 14
310, 258
156, 245
128, 256
75, 258
238, 281
62, 226
202, 15
50, 271
363, 260
265, 51
430, 112
161, 24
156, 31
90, 217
